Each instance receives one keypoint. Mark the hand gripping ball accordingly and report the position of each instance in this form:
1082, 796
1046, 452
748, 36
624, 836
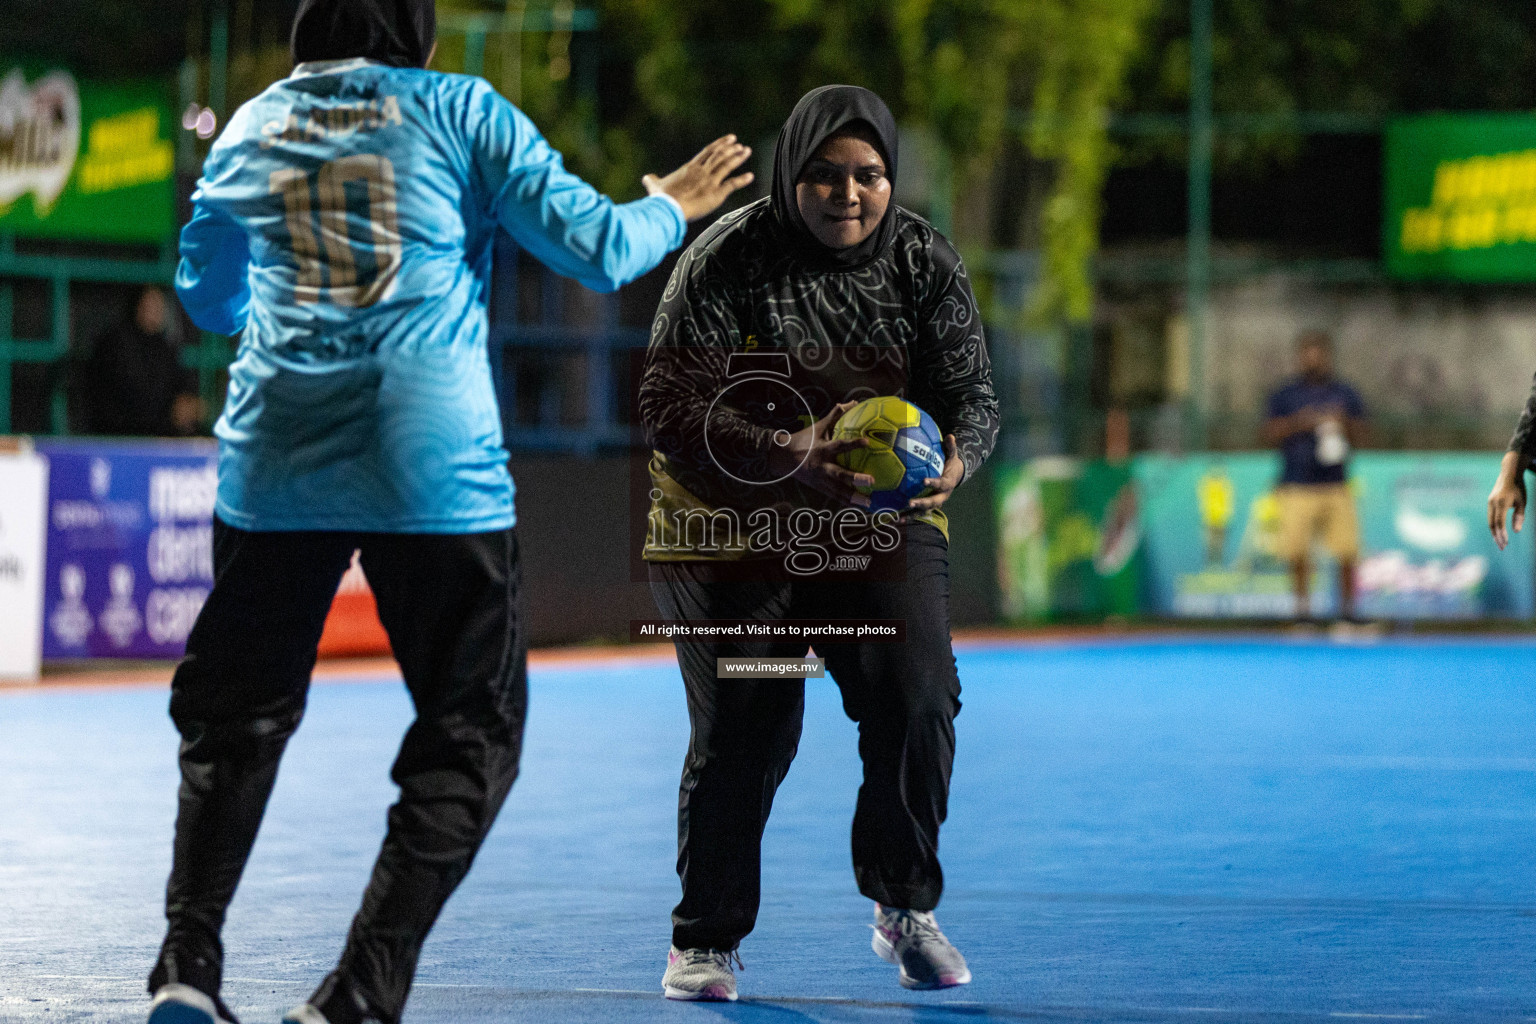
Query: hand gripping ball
905, 447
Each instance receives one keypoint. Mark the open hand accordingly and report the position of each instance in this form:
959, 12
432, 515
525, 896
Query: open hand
1508, 494
945, 483
815, 452
703, 183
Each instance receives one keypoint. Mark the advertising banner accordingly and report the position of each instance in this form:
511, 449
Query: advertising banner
85, 160
23, 493
129, 558
130, 546
1069, 539
1461, 197
1211, 528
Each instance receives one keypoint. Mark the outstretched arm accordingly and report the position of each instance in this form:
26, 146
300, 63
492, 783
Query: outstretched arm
571, 227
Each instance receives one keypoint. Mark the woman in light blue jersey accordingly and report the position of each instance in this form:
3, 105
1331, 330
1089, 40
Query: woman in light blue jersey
343, 225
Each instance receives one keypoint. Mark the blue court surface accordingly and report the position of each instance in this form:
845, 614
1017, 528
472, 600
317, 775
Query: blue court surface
1152, 830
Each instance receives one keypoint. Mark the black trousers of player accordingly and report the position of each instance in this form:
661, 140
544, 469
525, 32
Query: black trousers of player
449, 605
745, 732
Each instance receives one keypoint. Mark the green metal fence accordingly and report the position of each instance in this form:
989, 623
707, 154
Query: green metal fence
59, 273
60, 268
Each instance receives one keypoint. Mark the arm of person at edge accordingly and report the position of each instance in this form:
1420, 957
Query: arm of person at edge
695, 332
952, 378
1508, 493
567, 224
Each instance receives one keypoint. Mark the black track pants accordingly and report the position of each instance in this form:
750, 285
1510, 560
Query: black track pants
449, 604
904, 697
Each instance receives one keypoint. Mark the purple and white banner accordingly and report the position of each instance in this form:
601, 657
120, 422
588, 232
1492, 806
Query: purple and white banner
130, 546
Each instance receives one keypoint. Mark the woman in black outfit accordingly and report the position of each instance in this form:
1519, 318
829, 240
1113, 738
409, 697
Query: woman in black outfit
779, 317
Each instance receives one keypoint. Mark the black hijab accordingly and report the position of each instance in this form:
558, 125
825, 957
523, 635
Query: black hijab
818, 116
397, 32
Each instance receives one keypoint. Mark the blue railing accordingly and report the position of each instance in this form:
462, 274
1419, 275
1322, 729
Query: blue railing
565, 381
562, 367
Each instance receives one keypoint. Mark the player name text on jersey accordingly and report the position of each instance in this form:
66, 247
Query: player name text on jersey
331, 122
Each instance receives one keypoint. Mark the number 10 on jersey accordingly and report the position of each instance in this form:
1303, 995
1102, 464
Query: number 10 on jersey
343, 228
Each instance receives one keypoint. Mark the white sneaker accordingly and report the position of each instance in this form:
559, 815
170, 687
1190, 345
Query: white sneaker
700, 974
175, 1003
911, 939
304, 1013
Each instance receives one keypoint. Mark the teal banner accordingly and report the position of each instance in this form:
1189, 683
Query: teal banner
1210, 527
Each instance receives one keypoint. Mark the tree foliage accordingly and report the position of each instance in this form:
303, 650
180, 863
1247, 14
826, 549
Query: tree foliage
957, 71
1360, 55
1353, 56
999, 84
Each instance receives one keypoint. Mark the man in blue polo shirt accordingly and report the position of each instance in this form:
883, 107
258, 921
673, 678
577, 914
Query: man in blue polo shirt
1316, 419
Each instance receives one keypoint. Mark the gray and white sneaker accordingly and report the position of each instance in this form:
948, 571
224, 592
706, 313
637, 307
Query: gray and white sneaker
308, 1013
176, 1003
911, 940
700, 974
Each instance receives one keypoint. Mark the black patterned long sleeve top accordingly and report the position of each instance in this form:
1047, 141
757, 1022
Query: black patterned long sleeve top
904, 324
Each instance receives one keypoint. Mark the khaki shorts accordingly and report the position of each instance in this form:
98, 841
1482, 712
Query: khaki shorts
1312, 511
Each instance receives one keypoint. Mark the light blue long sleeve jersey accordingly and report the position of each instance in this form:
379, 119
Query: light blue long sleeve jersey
344, 221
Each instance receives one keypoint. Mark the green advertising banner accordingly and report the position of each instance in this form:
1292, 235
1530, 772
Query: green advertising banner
83, 160
1070, 540
1461, 197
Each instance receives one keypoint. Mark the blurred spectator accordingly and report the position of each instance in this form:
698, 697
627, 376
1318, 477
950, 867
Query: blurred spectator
135, 384
1315, 418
